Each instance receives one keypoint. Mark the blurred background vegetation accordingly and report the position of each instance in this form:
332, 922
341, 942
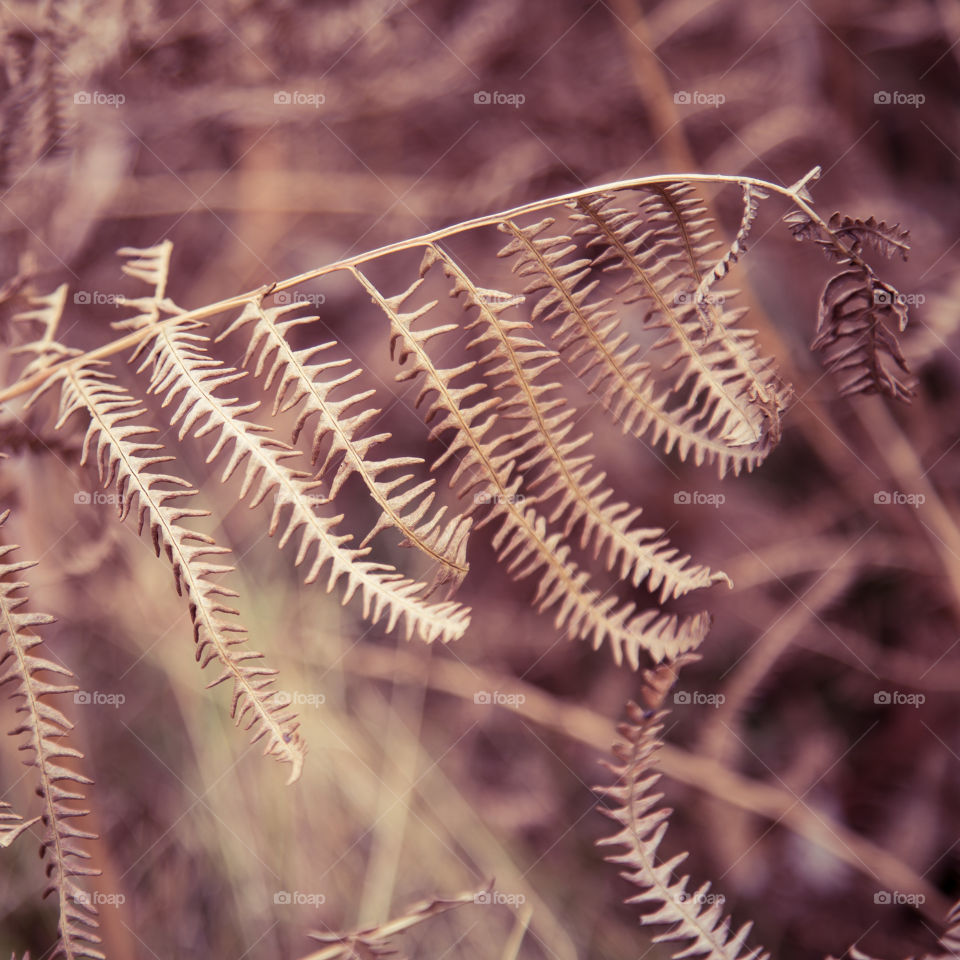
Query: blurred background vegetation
411, 787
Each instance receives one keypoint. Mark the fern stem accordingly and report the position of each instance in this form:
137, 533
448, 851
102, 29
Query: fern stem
131, 340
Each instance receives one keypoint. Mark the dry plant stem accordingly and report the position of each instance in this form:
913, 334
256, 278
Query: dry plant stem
720, 730
398, 776
294, 376
898, 454
695, 770
512, 948
442, 801
652, 86
792, 193
720, 736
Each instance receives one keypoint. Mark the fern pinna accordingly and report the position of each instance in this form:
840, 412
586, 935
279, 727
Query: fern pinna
612, 290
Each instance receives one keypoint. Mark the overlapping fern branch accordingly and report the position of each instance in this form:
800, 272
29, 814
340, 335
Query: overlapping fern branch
488, 462
34, 679
127, 461
190, 380
300, 382
640, 255
544, 424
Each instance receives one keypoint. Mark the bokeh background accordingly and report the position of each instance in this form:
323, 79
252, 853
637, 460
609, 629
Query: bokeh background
821, 795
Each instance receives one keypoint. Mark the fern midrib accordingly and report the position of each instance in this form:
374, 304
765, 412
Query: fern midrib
283, 476
359, 464
586, 500
669, 423
666, 310
193, 583
41, 763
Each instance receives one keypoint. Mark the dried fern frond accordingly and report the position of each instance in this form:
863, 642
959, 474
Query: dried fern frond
522, 541
544, 422
693, 379
860, 315
856, 234
300, 381
181, 370
729, 378
857, 316
662, 249
33, 108
126, 461
751, 207
57, 785
182, 373
377, 941
695, 919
